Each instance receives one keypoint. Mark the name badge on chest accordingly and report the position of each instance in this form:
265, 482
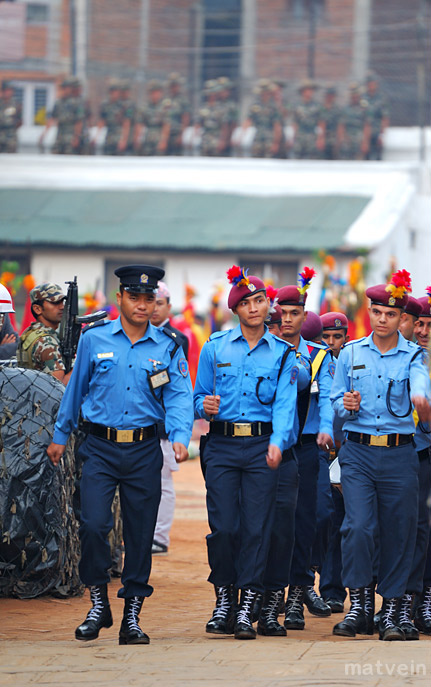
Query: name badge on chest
158, 378
314, 389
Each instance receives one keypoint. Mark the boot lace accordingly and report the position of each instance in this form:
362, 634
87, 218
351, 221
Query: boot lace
295, 599
405, 609
270, 610
389, 616
223, 604
98, 605
368, 600
426, 605
312, 593
355, 605
244, 612
133, 614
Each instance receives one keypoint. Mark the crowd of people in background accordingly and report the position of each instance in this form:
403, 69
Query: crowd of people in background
318, 123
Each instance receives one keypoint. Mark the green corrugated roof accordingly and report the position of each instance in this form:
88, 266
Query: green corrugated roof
176, 220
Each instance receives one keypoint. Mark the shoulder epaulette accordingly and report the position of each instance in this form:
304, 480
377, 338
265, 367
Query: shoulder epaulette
354, 341
316, 345
284, 341
91, 325
217, 335
172, 335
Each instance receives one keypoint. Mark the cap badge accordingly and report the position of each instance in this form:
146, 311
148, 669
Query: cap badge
251, 287
144, 278
391, 300
337, 322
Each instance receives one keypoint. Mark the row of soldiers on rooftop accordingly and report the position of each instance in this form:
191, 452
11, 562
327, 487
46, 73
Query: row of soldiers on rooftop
309, 129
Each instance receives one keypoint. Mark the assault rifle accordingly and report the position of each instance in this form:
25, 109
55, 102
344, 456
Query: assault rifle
71, 324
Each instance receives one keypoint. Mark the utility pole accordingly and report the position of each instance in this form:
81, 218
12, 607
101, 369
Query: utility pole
311, 53
361, 39
142, 74
247, 67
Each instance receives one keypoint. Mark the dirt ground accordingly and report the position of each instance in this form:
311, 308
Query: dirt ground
38, 645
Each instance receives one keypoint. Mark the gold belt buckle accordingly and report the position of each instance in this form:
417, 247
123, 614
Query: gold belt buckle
379, 441
242, 429
124, 436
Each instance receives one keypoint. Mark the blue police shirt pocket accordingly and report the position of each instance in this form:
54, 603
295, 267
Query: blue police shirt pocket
399, 397
226, 380
361, 380
105, 370
266, 383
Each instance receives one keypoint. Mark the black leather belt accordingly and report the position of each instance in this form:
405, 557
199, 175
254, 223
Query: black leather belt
120, 436
306, 439
241, 429
385, 440
424, 454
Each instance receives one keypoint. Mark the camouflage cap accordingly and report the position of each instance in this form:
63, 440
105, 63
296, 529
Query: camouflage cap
225, 82
114, 85
330, 89
307, 83
155, 85
124, 85
175, 78
47, 292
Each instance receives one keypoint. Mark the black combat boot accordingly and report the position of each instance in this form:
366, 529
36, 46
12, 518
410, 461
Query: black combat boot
99, 616
294, 618
243, 627
423, 612
369, 608
130, 632
257, 607
268, 624
354, 621
405, 619
389, 628
315, 604
223, 617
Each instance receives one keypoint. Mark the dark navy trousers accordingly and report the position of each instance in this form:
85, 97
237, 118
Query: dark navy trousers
136, 468
416, 578
305, 514
324, 515
331, 585
279, 561
241, 491
380, 485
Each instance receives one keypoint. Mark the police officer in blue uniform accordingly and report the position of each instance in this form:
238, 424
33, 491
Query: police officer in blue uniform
316, 434
377, 382
128, 377
246, 386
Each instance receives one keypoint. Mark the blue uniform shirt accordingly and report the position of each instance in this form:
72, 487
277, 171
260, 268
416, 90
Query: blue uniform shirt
110, 383
372, 372
238, 369
320, 414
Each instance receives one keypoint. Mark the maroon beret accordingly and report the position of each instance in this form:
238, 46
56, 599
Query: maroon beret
379, 296
274, 317
312, 327
238, 293
413, 306
334, 320
289, 295
425, 304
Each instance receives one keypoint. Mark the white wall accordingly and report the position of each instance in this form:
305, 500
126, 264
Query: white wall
60, 266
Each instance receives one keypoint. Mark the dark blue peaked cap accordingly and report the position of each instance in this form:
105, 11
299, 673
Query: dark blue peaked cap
140, 278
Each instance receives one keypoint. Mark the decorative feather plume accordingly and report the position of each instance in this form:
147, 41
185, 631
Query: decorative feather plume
238, 276
400, 284
428, 290
305, 278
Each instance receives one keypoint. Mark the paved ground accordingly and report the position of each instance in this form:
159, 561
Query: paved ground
38, 648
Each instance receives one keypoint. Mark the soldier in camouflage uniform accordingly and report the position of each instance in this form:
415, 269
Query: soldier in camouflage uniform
39, 345
265, 116
69, 116
378, 117
307, 122
229, 112
155, 120
177, 113
328, 138
130, 113
354, 126
82, 103
115, 115
10, 119
211, 121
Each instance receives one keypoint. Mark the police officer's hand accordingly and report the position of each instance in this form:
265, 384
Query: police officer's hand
324, 441
273, 457
55, 451
181, 452
352, 400
422, 407
211, 405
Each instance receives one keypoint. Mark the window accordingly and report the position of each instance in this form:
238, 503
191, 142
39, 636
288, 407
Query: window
37, 13
36, 98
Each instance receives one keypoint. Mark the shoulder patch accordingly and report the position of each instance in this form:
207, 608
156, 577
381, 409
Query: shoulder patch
331, 368
294, 374
92, 325
183, 367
